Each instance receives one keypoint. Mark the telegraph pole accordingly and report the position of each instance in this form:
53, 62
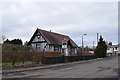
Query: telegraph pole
97, 37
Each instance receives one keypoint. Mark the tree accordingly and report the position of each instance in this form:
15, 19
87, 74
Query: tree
24, 53
14, 41
110, 43
101, 48
25, 43
9, 53
16, 53
7, 41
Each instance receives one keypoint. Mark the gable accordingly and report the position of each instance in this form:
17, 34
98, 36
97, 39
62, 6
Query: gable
38, 37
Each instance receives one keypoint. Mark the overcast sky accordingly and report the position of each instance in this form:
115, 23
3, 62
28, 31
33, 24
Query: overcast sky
20, 20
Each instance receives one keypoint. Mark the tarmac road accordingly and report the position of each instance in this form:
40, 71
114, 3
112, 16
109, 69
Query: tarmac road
101, 68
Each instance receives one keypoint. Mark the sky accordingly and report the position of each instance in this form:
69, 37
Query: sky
21, 19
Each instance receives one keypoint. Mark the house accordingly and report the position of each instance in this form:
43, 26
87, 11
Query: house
85, 50
113, 50
43, 40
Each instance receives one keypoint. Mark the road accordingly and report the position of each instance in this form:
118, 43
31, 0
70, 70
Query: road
101, 68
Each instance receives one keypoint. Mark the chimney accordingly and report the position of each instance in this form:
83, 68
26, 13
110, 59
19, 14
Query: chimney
50, 30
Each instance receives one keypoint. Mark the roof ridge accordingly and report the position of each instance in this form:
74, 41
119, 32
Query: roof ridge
53, 32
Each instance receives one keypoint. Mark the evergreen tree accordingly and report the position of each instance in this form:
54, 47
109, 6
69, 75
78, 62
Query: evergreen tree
26, 43
14, 41
110, 43
101, 48
7, 41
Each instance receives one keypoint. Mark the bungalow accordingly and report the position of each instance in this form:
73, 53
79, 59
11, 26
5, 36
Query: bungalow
43, 40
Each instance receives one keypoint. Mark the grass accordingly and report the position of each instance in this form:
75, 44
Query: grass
9, 64
6, 64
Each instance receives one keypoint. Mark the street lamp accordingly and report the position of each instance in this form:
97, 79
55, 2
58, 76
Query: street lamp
83, 42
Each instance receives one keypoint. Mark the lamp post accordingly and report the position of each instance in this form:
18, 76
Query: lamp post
83, 42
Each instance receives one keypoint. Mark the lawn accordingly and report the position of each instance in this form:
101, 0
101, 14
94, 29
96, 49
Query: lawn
6, 64
9, 64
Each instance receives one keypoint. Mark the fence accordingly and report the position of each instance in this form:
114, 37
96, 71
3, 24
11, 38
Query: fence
54, 60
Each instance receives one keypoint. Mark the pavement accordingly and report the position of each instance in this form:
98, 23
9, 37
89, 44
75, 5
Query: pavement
49, 66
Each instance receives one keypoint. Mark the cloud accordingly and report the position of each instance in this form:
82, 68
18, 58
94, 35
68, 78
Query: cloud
73, 19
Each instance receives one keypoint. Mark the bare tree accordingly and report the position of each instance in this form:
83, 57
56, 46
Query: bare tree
2, 38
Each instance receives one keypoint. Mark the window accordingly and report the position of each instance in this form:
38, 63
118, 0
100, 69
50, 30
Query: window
38, 46
116, 48
64, 45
